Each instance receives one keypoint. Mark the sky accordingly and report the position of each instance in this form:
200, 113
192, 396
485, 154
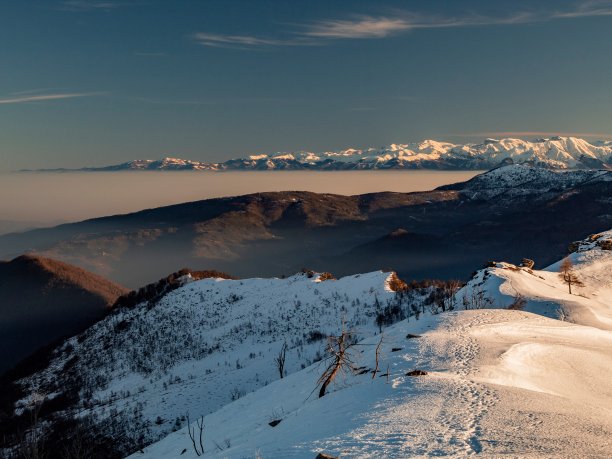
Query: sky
97, 82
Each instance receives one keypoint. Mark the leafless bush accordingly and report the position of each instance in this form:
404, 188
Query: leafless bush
32, 442
199, 447
518, 304
476, 299
449, 290
279, 360
78, 445
339, 357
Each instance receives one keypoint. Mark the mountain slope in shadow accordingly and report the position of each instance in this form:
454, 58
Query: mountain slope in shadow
43, 300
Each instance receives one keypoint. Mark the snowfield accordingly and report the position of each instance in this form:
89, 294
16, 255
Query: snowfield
500, 383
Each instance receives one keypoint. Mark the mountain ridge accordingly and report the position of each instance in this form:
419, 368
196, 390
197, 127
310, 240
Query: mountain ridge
554, 153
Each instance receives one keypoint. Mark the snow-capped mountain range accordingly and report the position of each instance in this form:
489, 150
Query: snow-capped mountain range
553, 153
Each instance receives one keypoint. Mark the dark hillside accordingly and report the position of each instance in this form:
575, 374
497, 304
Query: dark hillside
43, 299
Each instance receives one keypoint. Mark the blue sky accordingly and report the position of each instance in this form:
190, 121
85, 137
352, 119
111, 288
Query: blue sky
91, 82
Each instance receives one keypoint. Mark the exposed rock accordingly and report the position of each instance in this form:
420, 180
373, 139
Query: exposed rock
326, 276
416, 373
605, 244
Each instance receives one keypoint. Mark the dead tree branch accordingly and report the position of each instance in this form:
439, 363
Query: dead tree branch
192, 434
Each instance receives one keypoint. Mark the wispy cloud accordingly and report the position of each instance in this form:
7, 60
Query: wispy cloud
361, 27
384, 26
89, 5
149, 54
238, 41
152, 100
97, 5
377, 27
587, 8
356, 27
45, 97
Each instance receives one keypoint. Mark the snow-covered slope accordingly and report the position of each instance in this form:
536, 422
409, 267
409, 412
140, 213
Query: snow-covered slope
142, 369
520, 181
553, 153
500, 383
545, 292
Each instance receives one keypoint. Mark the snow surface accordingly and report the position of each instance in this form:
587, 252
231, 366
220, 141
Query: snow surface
500, 383
544, 291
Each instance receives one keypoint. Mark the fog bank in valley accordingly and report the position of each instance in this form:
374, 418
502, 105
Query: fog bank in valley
50, 198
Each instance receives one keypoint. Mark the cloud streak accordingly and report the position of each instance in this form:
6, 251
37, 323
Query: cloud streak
589, 8
242, 41
377, 27
91, 5
357, 27
362, 27
44, 97
96, 5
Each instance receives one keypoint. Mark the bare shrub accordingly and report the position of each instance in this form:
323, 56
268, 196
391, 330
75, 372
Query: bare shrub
518, 304
339, 357
32, 442
199, 446
476, 299
279, 360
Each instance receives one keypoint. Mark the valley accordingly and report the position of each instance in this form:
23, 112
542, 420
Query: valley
444, 233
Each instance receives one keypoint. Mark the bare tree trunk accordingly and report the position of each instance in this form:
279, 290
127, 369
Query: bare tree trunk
377, 355
192, 434
337, 348
329, 378
280, 360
